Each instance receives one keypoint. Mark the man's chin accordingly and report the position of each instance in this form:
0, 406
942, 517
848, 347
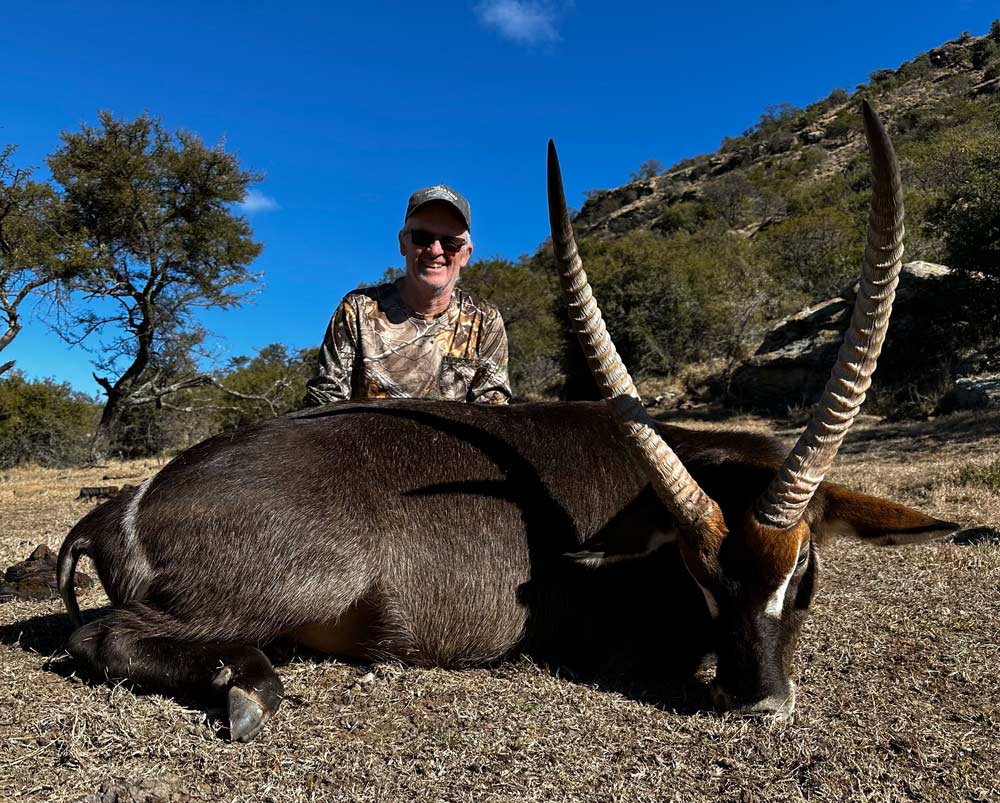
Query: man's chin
435, 281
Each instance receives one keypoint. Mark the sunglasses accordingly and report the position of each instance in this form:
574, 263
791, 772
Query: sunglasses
425, 239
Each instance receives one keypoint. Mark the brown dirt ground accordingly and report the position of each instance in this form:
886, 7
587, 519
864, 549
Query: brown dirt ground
899, 689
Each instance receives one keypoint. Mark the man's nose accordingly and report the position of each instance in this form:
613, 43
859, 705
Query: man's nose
435, 247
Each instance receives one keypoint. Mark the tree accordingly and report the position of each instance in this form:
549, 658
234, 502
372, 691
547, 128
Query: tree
967, 216
651, 168
527, 300
158, 207
272, 382
35, 249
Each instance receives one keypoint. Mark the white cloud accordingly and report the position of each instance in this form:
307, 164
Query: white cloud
256, 201
525, 21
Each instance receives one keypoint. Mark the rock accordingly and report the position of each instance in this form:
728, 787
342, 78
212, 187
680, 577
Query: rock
972, 393
35, 578
793, 362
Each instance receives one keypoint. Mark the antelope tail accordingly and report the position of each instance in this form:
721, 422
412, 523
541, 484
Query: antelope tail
75, 545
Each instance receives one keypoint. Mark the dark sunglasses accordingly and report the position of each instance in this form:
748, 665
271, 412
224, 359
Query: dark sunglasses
425, 239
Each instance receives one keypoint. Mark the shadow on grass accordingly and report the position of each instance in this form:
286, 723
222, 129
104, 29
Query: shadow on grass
904, 436
44, 635
47, 634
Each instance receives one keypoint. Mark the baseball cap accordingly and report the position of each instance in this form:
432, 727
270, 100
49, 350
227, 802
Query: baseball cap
440, 192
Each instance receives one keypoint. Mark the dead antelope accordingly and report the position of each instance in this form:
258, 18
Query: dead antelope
450, 534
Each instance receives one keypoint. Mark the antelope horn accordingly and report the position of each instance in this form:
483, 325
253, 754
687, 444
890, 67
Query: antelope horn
785, 500
688, 503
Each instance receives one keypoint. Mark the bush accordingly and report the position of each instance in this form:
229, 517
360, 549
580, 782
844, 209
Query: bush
815, 253
274, 382
983, 52
527, 296
917, 68
882, 76
44, 422
843, 124
968, 213
988, 475
681, 216
672, 300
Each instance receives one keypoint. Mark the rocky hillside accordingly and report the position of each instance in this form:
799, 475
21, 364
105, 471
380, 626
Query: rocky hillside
695, 265
811, 144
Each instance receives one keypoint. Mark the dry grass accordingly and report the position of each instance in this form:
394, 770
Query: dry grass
898, 668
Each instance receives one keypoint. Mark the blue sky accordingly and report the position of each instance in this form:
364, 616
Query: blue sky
347, 108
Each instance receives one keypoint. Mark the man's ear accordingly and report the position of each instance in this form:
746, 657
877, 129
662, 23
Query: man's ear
876, 520
402, 245
468, 255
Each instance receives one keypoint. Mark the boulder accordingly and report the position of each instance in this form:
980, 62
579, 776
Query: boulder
977, 383
791, 366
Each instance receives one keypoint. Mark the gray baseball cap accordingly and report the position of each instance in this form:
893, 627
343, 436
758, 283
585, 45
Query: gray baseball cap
440, 192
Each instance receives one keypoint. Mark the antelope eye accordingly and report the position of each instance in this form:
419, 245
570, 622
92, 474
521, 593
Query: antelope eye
803, 557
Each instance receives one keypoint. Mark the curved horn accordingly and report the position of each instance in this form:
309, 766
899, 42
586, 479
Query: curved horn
686, 501
785, 500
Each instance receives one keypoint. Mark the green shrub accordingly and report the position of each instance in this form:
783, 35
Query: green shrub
527, 296
681, 216
917, 68
983, 52
44, 422
814, 253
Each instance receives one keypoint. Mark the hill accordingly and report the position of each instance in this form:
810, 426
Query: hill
694, 264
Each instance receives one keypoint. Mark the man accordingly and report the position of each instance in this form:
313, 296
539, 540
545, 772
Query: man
419, 336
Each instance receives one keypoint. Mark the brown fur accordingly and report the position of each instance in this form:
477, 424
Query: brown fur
438, 533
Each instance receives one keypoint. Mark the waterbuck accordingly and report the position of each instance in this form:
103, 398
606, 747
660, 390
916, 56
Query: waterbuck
451, 534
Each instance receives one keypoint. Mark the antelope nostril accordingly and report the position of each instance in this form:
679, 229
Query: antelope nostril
778, 706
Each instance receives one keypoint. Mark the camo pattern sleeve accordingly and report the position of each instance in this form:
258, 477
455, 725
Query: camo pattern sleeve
335, 374
491, 385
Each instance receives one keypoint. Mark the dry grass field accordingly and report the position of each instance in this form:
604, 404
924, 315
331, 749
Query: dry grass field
898, 670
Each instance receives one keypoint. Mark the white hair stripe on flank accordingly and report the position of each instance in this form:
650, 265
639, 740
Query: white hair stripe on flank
138, 569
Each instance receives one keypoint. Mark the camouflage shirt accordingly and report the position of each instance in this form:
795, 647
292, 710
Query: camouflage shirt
376, 347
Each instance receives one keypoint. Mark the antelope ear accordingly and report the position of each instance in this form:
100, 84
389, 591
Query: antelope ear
877, 521
605, 548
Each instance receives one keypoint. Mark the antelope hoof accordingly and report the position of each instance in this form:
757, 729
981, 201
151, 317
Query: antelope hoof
246, 715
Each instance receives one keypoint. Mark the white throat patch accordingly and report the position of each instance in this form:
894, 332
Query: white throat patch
776, 602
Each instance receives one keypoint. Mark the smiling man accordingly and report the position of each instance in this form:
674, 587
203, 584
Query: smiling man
420, 336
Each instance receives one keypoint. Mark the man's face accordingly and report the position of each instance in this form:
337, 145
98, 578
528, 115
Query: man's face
431, 269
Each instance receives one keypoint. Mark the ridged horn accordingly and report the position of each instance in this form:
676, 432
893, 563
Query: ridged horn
784, 502
677, 489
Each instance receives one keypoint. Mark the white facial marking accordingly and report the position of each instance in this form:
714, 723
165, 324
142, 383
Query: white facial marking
776, 602
713, 606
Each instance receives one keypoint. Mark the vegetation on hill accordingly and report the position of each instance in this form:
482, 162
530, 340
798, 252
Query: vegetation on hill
692, 264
